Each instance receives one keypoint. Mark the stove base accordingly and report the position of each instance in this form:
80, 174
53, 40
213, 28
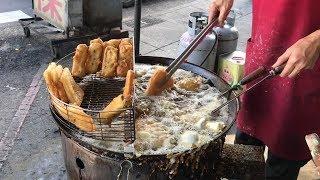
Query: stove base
238, 161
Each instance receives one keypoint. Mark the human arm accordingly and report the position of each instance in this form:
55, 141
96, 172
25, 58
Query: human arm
301, 55
220, 9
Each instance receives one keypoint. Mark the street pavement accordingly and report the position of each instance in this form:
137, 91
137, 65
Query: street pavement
34, 148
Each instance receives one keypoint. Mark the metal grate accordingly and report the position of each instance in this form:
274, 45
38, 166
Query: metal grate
99, 92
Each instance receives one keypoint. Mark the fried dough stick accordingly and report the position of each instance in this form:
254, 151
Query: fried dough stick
155, 86
98, 40
120, 102
113, 42
94, 58
110, 62
126, 41
125, 61
49, 79
129, 86
56, 78
74, 92
79, 61
76, 116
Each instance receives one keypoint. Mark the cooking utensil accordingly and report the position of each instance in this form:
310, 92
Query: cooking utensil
260, 72
249, 78
172, 68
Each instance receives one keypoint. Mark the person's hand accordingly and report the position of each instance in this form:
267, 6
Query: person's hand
301, 55
220, 9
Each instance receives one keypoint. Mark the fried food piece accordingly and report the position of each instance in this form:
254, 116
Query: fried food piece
155, 86
113, 109
113, 42
94, 58
110, 62
56, 76
62, 93
129, 86
118, 103
49, 79
79, 61
190, 84
74, 92
125, 61
98, 40
127, 41
76, 116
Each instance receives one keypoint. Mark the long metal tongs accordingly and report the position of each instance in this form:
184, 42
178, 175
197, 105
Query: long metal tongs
261, 72
172, 68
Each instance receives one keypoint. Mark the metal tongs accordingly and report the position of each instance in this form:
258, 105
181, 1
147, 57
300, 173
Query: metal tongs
172, 68
261, 73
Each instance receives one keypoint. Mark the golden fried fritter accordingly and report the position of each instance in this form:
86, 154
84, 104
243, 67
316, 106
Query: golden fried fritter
190, 84
129, 86
76, 116
120, 102
125, 61
110, 62
155, 86
62, 93
113, 109
127, 41
49, 79
113, 42
74, 92
98, 40
94, 58
79, 60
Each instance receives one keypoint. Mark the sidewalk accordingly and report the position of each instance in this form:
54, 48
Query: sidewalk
161, 30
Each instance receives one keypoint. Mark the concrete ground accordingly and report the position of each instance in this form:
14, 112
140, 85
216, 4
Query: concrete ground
35, 152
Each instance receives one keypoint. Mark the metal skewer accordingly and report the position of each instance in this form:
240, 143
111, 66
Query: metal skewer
172, 68
247, 79
273, 72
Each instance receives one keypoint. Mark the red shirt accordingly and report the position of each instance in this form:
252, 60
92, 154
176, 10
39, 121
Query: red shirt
281, 111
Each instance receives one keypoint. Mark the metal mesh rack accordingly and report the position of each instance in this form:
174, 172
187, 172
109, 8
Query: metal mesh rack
98, 93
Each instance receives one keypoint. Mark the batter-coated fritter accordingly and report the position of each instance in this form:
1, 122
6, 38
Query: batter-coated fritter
62, 93
113, 109
126, 41
113, 42
120, 102
94, 58
129, 86
155, 86
49, 79
125, 61
76, 116
110, 62
98, 40
79, 61
74, 92
190, 84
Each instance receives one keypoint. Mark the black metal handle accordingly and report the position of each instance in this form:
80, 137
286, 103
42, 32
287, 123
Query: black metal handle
253, 75
277, 70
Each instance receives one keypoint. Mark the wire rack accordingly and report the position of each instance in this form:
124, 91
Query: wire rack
98, 93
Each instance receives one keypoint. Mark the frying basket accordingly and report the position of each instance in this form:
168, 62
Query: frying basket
98, 93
